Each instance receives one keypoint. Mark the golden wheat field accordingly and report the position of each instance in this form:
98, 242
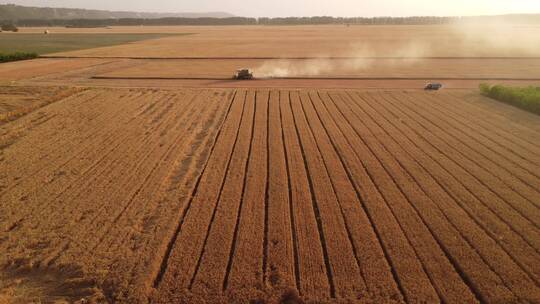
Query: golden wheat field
142, 173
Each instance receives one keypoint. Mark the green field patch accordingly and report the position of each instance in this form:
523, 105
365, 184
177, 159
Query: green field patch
6, 57
527, 98
53, 43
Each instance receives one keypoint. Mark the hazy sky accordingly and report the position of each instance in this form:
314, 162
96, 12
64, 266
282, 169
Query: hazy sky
272, 8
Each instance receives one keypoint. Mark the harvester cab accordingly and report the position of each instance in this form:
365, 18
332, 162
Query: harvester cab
243, 74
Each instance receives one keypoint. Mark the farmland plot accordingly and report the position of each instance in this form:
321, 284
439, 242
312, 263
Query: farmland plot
18, 101
89, 184
333, 56
361, 196
239, 195
319, 41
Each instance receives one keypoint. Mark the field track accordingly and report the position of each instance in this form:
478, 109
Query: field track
527, 58
238, 195
308, 78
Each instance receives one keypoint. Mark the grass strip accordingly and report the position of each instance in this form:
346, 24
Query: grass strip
526, 98
15, 56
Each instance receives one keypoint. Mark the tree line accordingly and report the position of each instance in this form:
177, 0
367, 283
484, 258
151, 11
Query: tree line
133, 22
317, 20
356, 20
17, 12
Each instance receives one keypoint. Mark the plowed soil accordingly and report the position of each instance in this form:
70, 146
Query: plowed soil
267, 196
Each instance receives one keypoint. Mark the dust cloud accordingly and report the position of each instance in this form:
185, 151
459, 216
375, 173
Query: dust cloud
359, 59
462, 40
500, 38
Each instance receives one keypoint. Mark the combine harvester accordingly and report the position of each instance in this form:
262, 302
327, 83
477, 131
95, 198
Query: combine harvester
243, 74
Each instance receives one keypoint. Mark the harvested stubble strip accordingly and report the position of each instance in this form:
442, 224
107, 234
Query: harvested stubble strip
74, 110
43, 223
161, 221
80, 219
113, 249
180, 263
41, 154
530, 161
38, 98
60, 184
172, 142
211, 274
521, 233
486, 155
514, 276
26, 155
446, 144
247, 269
496, 117
313, 279
142, 161
449, 285
411, 278
126, 224
435, 212
107, 161
281, 251
342, 264
24, 123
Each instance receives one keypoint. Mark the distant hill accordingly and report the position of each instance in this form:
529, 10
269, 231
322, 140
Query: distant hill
17, 12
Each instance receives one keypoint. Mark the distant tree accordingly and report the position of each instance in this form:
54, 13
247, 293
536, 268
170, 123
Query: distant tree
9, 28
